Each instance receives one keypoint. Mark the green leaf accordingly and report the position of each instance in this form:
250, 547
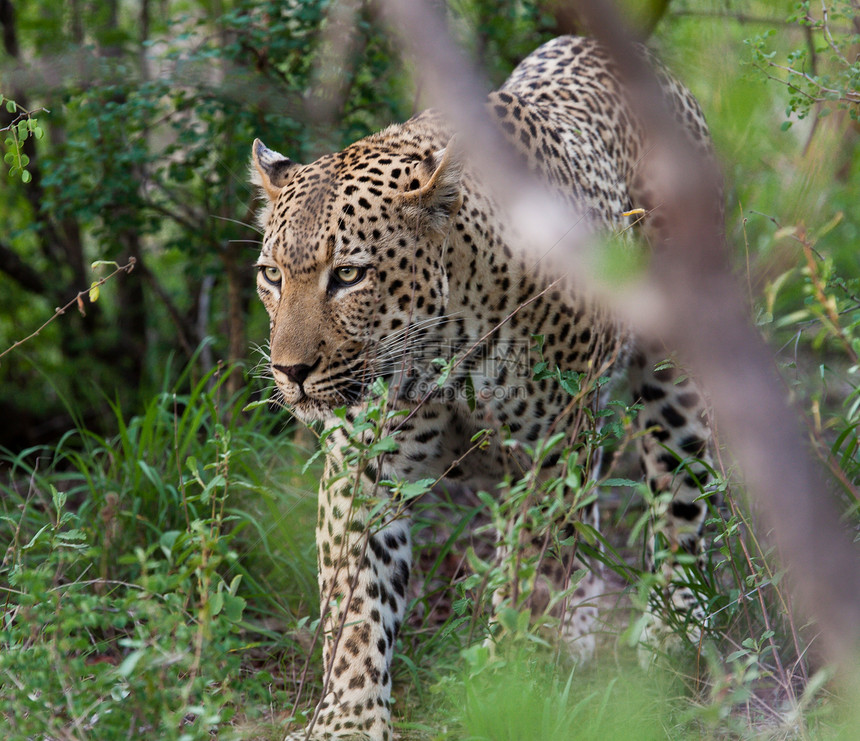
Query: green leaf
386, 445
446, 366
72, 535
233, 607
168, 539
216, 603
35, 538
570, 382
319, 452
619, 482
129, 663
191, 464
453, 626
412, 489
540, 369
234, 584
59, 499
379, 388
470, 393
459, 606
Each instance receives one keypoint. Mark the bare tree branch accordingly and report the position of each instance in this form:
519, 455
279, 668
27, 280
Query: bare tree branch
12, 264
183, 328
7, 21
738, 17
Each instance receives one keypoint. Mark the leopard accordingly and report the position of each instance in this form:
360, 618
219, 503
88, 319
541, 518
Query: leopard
382, 259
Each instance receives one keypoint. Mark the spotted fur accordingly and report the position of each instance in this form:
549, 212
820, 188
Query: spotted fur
390, 253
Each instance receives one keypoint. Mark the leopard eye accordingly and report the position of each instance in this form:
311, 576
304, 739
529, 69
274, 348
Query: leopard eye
272, 275
349, 275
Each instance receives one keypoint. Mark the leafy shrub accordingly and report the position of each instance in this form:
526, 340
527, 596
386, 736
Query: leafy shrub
123, 580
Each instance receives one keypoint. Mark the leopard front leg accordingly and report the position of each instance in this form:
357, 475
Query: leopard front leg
364, 562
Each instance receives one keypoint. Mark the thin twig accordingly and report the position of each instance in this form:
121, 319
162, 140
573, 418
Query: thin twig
22, 117
77, 300
742, 18
825, 27
849, 96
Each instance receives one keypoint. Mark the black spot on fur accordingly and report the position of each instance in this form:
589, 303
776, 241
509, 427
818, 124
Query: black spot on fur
689, 511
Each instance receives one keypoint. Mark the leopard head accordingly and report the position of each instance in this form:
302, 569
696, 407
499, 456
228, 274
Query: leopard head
353, 258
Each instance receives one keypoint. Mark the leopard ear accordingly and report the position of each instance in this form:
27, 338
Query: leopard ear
270, 170
441, 196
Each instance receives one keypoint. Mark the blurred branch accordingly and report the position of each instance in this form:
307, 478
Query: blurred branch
568, 19
691, 296
7, 21
334, 68
738, 17
19, 271
703, 319
186, 222
183, 329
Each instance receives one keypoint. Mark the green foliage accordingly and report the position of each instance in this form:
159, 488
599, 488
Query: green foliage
825, 72
499, 34
125, 585
167, 638
23, 126
146, 155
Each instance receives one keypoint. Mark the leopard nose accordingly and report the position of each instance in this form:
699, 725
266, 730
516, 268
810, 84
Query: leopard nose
296, 373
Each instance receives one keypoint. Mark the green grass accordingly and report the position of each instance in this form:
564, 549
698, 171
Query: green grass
128, 565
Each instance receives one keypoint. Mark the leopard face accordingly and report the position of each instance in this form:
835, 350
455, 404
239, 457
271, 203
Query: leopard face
354, 255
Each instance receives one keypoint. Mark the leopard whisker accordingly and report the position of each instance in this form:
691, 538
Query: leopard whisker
253, 227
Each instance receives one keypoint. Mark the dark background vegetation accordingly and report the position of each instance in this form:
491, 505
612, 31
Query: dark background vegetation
150, 108
128, 459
